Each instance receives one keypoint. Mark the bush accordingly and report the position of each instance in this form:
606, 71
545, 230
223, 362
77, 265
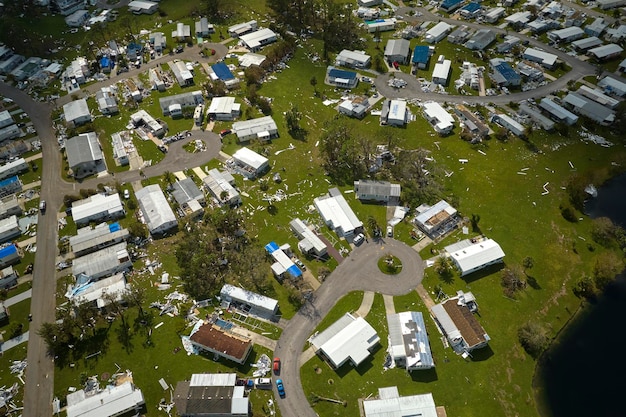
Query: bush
569, 213
603, 231
512, 281
585, 288
533, 338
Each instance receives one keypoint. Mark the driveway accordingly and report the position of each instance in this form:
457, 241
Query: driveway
359, 271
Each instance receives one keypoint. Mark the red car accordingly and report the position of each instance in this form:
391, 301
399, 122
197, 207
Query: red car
276, 366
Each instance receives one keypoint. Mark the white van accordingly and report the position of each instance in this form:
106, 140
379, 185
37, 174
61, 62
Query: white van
263, 383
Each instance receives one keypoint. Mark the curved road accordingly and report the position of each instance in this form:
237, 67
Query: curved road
359, 271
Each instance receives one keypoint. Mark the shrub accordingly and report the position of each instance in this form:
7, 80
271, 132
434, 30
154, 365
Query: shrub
533, 338
569, 213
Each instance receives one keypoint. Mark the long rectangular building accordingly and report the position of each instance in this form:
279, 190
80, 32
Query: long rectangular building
98, 207
309, 242
408, 341
89, 240
103, 263
337, 213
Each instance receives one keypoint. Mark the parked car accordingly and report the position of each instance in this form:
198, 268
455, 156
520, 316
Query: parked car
263, 383
300, 264
42, 206
389, 231
126, 194
358, 239
276, 366
280, 388
225, 132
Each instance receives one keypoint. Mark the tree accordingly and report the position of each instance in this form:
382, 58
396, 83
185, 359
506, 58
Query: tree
292, 117
444, 267
373, 226
608, 266
603, 231
584, 288
313, 83
528, 263
168, 177
138, 229
534, 338
512, 280
136, 297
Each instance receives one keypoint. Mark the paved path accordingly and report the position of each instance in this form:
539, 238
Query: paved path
359, 271
366, 304
256, 338
18, 298
11, 343
390, 307
425, 296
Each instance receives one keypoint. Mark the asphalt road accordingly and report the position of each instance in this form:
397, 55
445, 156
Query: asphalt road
359, 271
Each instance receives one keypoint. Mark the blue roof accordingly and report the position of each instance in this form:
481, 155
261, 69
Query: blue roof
134, 46
420, 54
271, 247
446, 4
471, 7
506, 71
294, 271
337, 73
115, 227
222, 71
105, 62
9, 250
9, 181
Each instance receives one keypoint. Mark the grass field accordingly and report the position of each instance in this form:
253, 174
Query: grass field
512, 209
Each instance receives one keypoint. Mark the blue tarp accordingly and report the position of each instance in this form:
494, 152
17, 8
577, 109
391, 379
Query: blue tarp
449, 4
9, 181
294, 271
114, 227
420, 54
472, 7
337, 73
222, 71
105, 62
507, 72
9, 250
271, 247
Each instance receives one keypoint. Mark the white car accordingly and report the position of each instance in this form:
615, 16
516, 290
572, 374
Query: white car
126, 194
358, 239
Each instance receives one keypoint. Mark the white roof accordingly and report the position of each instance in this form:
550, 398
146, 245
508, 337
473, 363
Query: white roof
606, 50
613, 84
217, 182
258, 38
438, 30
5, 118
442, 70
470, 256
94, 264
567, 32
598, 96
391, 404
250, 297
245, 128
141, 4
336, 212
8, 224
10, 166
76, 109
348, 338
222, 105
282, 259
557, 110
95, 291
213, 380
156, 210
397, 110
441, 206
434, 110
250, 58
356, 56
250, 158
95, 205
109, 402
305, 233
546, 58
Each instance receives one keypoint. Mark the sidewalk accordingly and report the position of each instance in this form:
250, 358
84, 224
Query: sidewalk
366, 304
421, 291
18, 298
390, 307
11, 343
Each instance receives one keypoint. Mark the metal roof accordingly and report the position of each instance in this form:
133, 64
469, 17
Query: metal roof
505, 69
82, 149
246, 128
337, 213
258, 38
349, 338
112, 401
421, 54
156, 210
186, 190
469, 256
391, 404
308, 235
76, 109
409, 339
222, 71
95, 206
101, 261
249, 297
338, 73
397, 47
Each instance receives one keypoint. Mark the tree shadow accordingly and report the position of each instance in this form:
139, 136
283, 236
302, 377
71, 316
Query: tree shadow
474, 220
299, 134
426, 375
532, 281
447, 277
272, 210
482, 354
125, 337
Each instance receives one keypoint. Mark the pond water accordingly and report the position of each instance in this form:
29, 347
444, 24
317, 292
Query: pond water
583, 374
